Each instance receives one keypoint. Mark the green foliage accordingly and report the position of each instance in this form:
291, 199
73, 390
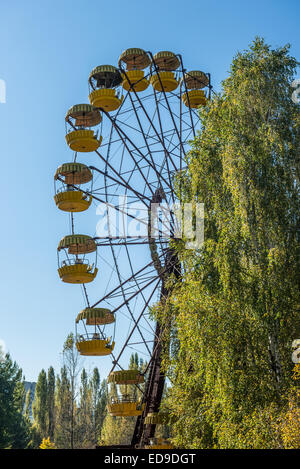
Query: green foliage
119, 430
51, 402
235, 313
14, 431
65, 408
92, 409
85, 413
80, 408
290, 418
66, 414
99, 402
66, 429
27, 404
43, 408
39, 406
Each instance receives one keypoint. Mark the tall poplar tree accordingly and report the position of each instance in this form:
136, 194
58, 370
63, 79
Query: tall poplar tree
99, 402
63, 411
51, 402
28, 402
85, 413
66, 422
39, 405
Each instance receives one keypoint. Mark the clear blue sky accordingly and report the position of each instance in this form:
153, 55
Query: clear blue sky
47, 50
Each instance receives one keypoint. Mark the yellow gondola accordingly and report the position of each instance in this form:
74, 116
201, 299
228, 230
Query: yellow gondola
119, 408
164, 79
80, 137
83, 141
78, 269
67, 198
72, 201
124, 401
125, 377
136, 60
96, 316
95, 347
103, 81
94, 344
134, 80
195, 80
194, 98
77, 273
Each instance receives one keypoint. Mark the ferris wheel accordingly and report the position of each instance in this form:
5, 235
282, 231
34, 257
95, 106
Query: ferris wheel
141, 117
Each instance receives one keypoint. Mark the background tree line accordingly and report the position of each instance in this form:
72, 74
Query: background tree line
67, 410
72, 412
